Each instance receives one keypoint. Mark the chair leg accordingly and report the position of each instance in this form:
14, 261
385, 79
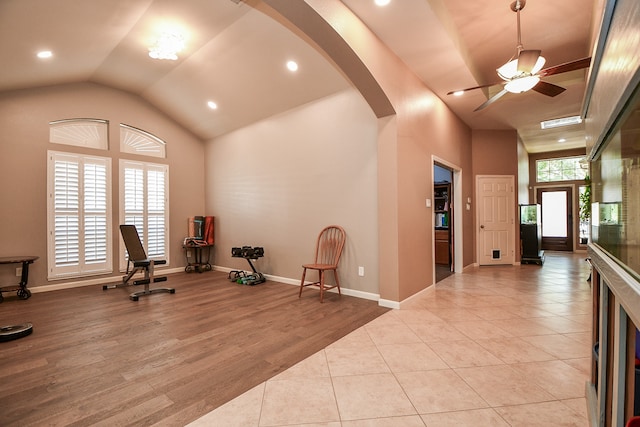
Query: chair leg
304, 273
335, 274
321, 273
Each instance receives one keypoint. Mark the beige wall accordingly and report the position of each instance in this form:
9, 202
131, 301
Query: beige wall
24, 120
278, 182
422, 127
495, 152
377, 187
523, 174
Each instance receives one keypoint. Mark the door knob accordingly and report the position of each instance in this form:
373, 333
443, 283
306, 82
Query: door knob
482, 226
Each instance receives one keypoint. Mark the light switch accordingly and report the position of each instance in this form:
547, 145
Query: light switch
428, 203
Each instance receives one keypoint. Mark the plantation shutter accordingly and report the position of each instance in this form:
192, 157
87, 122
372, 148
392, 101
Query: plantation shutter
134, 199
95, 213
144, 190
67, 213
79, 211
156, 212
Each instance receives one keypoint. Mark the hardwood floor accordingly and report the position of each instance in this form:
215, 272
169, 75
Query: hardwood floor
97, 358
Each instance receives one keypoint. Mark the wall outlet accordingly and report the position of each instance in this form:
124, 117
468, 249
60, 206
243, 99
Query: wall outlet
18, 271
361, 271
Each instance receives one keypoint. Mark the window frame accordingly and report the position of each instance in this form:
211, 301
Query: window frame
140, 142
83, 267
86, 133
575, 159
144, 212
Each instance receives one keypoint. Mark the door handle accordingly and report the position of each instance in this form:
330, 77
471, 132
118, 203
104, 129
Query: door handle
482, 226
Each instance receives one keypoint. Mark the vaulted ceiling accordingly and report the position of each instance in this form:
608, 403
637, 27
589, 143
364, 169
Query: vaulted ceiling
235, 56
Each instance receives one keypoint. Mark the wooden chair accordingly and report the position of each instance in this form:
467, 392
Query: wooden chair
328, 250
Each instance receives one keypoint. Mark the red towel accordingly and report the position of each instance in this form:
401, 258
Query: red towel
208, 230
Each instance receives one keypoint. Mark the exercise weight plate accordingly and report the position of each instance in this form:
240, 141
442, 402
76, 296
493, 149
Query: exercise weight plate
8, 333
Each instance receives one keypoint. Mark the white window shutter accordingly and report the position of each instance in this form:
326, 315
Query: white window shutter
66, 212
95, 213
79, 215
156, 213
144, 195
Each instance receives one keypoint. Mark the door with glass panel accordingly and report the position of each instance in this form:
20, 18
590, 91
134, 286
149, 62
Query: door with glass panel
557, 218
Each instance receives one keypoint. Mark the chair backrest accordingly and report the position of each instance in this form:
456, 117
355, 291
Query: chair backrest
132, 242
330, 244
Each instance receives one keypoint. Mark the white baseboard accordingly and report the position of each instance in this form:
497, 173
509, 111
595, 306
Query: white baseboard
296, 282
96, 281
389, 304
280, 279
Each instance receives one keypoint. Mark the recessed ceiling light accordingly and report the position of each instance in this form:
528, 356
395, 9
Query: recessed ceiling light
292, 65
212, 105
43, 54
382, 2
565, 121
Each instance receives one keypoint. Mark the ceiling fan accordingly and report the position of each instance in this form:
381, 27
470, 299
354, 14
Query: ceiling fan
524, 70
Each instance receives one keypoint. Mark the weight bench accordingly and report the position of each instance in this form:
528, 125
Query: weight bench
138, 258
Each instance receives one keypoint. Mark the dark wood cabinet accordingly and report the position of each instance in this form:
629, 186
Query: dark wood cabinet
442, 247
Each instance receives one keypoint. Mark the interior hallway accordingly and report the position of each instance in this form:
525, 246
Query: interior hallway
494, 346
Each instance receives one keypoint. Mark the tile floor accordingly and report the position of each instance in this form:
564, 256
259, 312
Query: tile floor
494, 346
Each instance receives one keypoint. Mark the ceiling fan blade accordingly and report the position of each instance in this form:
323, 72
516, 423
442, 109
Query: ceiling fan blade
473, 88
491, 100
527, 60
548, 89
566, 67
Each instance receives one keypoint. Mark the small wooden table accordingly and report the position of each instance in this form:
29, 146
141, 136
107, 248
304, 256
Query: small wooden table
23, 292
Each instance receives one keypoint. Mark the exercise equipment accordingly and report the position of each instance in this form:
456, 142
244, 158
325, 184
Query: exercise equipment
248, 253
138, 258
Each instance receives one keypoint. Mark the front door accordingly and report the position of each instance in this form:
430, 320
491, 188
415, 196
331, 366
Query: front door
496, 224
557, 219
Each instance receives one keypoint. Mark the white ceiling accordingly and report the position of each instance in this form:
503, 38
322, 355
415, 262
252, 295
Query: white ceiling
235, 55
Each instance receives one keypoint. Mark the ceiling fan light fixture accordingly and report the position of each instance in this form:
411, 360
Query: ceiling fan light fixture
539, 64
510, 70
522, 84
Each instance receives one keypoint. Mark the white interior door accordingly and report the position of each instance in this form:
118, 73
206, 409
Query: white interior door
495, 219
